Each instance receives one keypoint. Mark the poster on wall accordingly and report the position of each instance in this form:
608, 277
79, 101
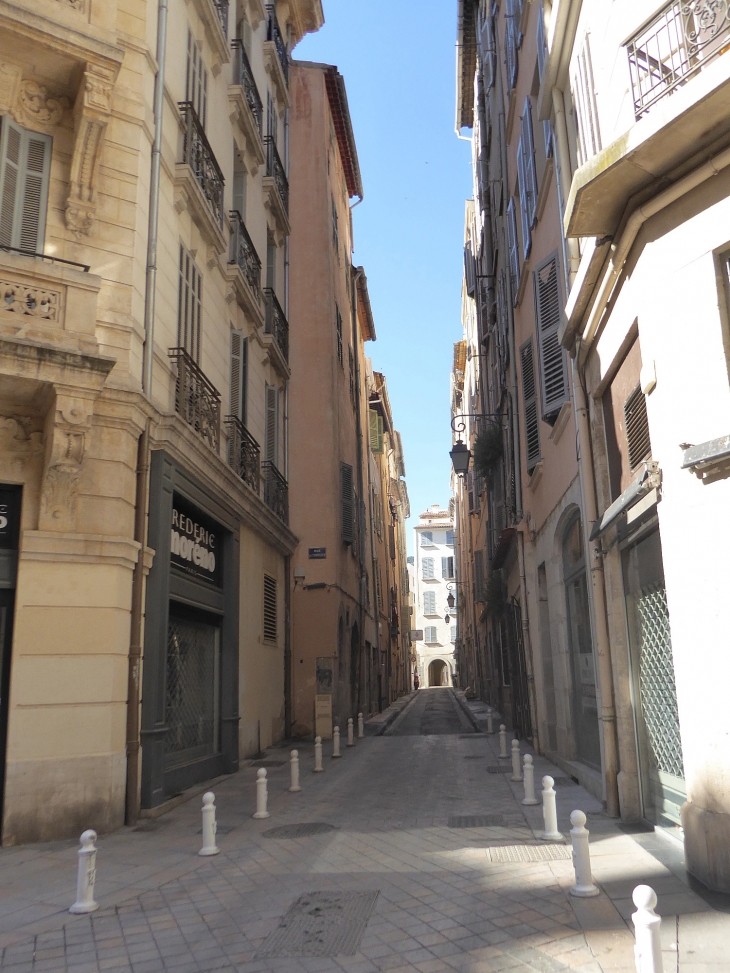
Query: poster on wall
195, 542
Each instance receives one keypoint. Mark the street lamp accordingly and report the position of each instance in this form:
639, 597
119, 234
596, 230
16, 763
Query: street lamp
460, 453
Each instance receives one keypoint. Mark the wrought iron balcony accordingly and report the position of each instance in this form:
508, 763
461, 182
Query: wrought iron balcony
244, 453
273, 33
221, 7
276, 322
276, 491
243, 76
679, 41
197, 400
275, 169
198, 154
243, 253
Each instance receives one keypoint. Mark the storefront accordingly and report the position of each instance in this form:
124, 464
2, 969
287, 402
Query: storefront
190, 677
10, 497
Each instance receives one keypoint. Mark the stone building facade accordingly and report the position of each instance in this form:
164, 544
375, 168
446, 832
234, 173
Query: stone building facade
434, 580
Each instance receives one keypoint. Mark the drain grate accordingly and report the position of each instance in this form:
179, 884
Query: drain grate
499, 769
477, 821
321, 924
267, 763
508, 854
299, 830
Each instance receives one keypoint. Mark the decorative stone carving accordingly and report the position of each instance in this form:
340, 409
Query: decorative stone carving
16, 434
92, 112
38, 302
36, 109
65, 448
10, 78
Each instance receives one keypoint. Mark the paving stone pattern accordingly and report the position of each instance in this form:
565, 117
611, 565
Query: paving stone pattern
447, 899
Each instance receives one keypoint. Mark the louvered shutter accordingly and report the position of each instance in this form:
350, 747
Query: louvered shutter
529, 398
444, 567
373, 430
514, 257
541, 47
427, 565
583, 90
270, 609
272, 424
528, 142
470, 273
347, 503
238, 375
11, 144
510, 44
25, 166
636, 423
553, 370
488, 52
429, 603
453, 633
391, 541
524, 204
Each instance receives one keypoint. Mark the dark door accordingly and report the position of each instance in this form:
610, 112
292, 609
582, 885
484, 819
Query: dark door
10, 497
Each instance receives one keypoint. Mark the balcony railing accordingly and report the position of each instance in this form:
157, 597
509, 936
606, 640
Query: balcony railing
273, 33
243, 75
275, 168
197, 400
276, 491
243, 253
244, 453
221, 8
44, 256
198, 154
673, 46
276, 322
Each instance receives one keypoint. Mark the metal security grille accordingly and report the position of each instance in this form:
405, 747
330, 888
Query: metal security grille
637, 428
656, 681
269, 608
191, 698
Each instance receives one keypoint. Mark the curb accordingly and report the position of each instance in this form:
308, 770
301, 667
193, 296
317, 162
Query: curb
395, 713
459, 696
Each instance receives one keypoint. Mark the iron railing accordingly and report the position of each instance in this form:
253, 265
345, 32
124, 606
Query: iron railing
273, 33
243, 253
197, 400
198, 154
244, 453
276, 322
276, 490
221, 8
243, 75
275, 168
675, 44
44, 256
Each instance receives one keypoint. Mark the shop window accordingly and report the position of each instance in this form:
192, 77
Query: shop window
25, 167
270, 609
190, 302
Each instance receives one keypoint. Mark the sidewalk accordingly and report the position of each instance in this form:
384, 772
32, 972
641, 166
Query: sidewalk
388, 834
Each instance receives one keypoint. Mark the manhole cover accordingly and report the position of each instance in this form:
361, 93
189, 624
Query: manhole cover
499, 769
477, 821
474, 756
321, 924
267, 763
505, 854
299, 830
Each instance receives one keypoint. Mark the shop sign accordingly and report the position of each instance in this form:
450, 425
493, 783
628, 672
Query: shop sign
194, 542
9, 518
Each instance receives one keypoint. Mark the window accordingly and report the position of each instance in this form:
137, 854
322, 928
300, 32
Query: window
470, 270
427, 568
25, 166
351, 358
239, 188
338, 326
270, 260
270, 627
347, 503
553, 370
429, 603
450, 538
529, 399
376, 431
239, 374
272, 120
391, 541
429, 634
637, 428
583, 90
378, 589
542, 52
511, 41
447, 567
487, 48
196, 79
426, 538
190, 294
453, 633
527, 178
514, 257
335, 229
271, 439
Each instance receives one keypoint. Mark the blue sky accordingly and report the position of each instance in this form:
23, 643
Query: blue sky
398, 61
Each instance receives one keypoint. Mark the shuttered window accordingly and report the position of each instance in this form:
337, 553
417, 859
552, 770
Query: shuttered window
391, 541
271, 442
376, 431
429, 634
527, 141
511, 43
529, 399
583, 90
335, 228
351, 358
450, 538
190, 302
637, 428
488, 51
447, 567
453, 633
479, 575
270, 609
514, 257
542, 52
25, 166
239, 374
347, 503
426, 538
429, 603
196, 79
427, 567
553, 369
470, 270
524, 214
272, 120
338, 328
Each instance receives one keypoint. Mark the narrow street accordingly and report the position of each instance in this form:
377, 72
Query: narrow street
413, 852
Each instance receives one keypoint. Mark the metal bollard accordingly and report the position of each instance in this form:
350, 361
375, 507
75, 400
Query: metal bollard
318, 768
549, 811
516, 769
360, 726
294, 766
209, 826
584, 887
503, 755
528, 772
262, 794
350, 733
336, 742
648, 949
86, 875
490, 719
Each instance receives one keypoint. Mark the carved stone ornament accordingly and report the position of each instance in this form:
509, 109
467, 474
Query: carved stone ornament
10, 80
64, 458
36, 109
92, 112
37, 302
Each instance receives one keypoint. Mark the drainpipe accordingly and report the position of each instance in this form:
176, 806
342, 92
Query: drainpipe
360, 483
287, 649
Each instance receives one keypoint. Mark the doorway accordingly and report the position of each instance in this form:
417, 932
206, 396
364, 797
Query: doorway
438, 673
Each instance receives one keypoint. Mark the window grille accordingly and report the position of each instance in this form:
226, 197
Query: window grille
553, 370
196, 80
25, 168
347, 503
189, 310
637, 428
529, 398
270, 627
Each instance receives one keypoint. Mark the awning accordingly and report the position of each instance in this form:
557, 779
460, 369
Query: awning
648, 479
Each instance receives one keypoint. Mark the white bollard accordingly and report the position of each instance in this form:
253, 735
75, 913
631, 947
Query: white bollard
318, 768
528, 772
648, 948
262, 794
209, 826
86, 875
294, 766
516, 768
584, 887
350, 733
490, 719
336, 742
503, 755
360, 726
549, 811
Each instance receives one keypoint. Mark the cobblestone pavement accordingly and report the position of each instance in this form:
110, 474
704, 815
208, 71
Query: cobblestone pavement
407, 879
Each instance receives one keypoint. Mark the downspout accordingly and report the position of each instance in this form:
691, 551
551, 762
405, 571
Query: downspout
360, 483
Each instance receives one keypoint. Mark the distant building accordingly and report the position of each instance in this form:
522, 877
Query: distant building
433, 572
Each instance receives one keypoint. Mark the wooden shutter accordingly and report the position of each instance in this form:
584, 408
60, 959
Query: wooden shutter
528, 156
190, 303
553, 370
271, 119
426, 538
430, 633
347, 503
524, 204
239, 354
429, 603
450, 537
637, 428
510, 44
427, 567
541, 46
391, 541
271, 451
488, 52
514, 257
470, 271
270, 609
453, 633
196, 79
25, 167
529, 398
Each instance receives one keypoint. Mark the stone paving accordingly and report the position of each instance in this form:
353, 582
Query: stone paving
442, 904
